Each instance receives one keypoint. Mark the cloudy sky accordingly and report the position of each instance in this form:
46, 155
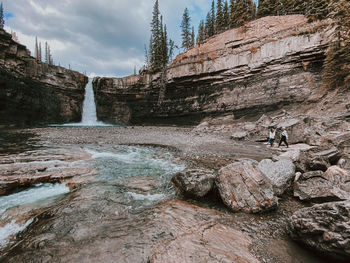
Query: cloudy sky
104, 37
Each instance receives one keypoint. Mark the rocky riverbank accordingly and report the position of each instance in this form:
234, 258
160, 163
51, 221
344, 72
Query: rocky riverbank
203, 228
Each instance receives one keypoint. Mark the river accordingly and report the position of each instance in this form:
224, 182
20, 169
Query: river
107, 198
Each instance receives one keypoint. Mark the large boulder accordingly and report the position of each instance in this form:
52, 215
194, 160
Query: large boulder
194, 182
314, 160
243, 187
281, 173
324, 227
332, 185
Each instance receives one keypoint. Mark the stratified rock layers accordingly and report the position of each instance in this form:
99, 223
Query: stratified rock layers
32, 92
267, 64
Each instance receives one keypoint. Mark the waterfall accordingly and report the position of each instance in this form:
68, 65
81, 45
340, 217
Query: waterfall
89, 117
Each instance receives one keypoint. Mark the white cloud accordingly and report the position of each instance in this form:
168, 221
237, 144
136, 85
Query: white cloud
106, 36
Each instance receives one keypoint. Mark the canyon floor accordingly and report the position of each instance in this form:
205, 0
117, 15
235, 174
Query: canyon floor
95, 223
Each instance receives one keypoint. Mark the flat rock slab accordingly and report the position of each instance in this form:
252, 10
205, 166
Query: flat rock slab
243, 187
324, 227
216, 244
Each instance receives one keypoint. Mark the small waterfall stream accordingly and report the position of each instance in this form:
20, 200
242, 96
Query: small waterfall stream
89, 117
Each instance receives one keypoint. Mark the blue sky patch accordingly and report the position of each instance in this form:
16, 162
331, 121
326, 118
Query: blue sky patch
8, 15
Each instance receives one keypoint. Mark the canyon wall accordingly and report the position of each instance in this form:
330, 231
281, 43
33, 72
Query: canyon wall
33, 92
265, 65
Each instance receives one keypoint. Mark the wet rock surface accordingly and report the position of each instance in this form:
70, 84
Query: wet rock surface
131, 219
324, 227
52, 165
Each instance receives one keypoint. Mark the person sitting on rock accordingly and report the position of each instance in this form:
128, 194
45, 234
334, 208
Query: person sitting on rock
284, 137
272, 136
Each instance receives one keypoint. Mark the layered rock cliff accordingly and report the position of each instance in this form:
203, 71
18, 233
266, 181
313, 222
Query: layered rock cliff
32, 92
265, 65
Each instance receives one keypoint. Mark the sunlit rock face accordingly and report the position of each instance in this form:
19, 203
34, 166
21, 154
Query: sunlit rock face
269, 63
32, 92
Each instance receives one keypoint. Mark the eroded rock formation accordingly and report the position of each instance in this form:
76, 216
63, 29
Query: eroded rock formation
32, 92
267, 64
324, 227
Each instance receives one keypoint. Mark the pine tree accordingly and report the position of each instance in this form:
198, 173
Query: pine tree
286, 7
36, 49
186, 30
46, 53
219, 21
207, 26
165, 48
2, 17
171, 49
201, 32
213, 22
146, 56
158, 54
242, 12
210, 21
193, 37
226, 15
337, 63
155, 43
40, 52
318, 9
267, 8
232, 21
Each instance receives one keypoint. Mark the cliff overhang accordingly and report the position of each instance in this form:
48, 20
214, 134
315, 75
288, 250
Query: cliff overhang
262, 66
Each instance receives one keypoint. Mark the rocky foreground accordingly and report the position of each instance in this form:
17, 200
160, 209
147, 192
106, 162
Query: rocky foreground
245, 200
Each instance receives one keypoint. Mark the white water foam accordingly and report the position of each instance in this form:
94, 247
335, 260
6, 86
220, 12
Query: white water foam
128, 157
138, 155
11, 229
38, 193
147, 197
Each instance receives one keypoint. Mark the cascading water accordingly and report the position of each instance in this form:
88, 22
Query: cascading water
89, 117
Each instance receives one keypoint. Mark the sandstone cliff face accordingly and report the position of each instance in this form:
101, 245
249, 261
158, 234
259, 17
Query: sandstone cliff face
32, 92
267, 64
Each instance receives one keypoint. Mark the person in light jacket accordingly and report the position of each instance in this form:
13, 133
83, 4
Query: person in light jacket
284, 137
272, 136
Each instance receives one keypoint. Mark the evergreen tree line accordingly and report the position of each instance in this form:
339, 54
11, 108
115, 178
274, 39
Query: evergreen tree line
223, 15
38, 53
2, 16
336, 70
161, 48
313, 9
